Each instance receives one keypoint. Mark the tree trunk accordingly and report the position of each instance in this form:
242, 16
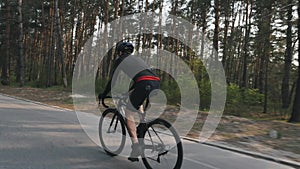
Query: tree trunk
225, 49
144, 39
285, 89
231, 51
105, 59
51, 56
246, 45
160, 37
60, 44
72, 41
266, 54
187, 51
116, 32
217, 29
20, 76
238, 66
264, 46
139, 36
295, 117
4, 73
204, 26
176, 41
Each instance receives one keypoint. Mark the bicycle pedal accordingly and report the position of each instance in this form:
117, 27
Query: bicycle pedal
133, 159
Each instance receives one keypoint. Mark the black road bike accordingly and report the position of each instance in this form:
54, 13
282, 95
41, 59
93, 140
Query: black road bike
161, 144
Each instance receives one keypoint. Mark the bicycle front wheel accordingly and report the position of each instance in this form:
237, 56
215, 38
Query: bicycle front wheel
162, 146
112, 132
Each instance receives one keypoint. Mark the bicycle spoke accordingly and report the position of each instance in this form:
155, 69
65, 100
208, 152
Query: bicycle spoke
163, 148
111, 133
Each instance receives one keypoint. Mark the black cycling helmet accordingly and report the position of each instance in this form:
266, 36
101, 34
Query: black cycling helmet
125, 47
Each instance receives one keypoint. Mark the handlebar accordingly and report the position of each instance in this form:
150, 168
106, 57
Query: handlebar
120, 97
103, 102
122, 102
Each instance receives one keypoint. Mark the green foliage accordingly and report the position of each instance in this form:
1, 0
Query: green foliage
171, 90
250, 97
205, 94
240, 101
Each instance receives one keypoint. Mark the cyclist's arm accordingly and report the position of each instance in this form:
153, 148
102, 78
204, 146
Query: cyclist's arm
107, 88
110, 84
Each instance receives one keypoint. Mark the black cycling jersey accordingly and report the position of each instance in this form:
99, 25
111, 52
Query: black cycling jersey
132, 66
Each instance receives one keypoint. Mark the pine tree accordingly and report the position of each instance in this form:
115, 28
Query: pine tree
21, 66
285, 90
295, 117
5, 57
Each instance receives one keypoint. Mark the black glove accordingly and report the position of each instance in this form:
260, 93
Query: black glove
101, 96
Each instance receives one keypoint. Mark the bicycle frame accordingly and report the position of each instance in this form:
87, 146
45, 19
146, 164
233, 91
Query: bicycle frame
120, 108
143, 125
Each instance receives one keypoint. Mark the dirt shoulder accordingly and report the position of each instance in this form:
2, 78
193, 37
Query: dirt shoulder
274, 138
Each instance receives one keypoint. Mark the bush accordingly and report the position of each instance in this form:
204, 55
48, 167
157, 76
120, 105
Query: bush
205, 94
240, 100
171, 90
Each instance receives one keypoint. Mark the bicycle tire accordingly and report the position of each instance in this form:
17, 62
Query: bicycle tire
177, 162
114, 119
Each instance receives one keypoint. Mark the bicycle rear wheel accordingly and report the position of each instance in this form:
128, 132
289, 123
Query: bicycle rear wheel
162, 146
112, 132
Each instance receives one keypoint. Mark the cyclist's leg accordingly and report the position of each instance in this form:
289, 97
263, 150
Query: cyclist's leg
136, 97
131, 125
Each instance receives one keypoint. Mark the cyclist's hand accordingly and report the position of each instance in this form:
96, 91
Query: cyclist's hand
101, 96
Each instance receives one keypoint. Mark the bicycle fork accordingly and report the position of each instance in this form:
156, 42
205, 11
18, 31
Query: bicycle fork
111, 124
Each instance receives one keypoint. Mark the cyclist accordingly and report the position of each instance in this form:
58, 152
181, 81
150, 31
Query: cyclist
144, 82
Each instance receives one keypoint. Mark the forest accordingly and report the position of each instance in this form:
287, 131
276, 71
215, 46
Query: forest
257, 42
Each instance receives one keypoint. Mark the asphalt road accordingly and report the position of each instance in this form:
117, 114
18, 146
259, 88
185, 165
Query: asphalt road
35, 136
